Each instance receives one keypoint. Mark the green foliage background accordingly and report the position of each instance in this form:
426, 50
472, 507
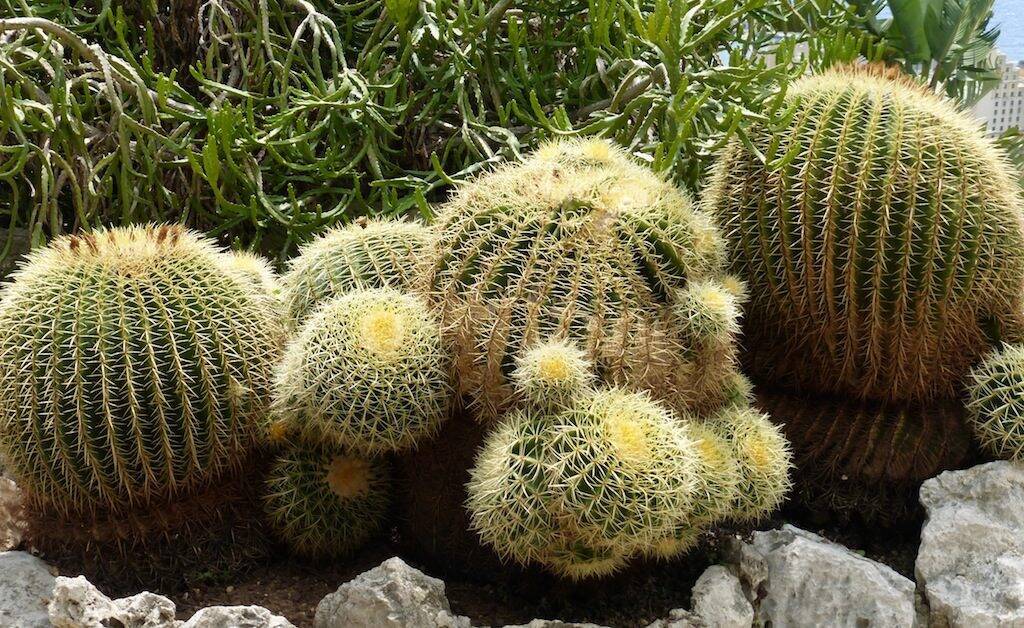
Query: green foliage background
265, 121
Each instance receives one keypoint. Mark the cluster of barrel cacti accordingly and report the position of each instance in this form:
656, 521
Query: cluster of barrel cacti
573, 304
882, 239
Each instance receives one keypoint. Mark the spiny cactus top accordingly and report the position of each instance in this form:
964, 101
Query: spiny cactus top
583, 489
372, 254
324, 503
368, 372
882, 241
578, 241
133, 367
996, 402
553, 375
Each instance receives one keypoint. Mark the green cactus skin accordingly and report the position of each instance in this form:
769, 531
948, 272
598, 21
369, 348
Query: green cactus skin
882, 243
596, 483
576, 242
553, 375
133, 370
367, 372
763, 457
325, 503
370, 254
865, 461
995, 404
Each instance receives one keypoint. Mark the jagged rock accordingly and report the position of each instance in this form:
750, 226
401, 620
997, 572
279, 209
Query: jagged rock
77, 603
393, 594
25, 588
719, 601
236, 617
679, 618
796, 578
971, 561
547, 623
11, 524
146, 610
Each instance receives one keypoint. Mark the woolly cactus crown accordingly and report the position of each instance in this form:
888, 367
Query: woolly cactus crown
134, 368
883, 239
578, 242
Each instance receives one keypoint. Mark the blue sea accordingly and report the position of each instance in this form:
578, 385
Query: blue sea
1009, 17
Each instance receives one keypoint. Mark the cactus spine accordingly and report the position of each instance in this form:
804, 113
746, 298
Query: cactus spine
133, 369
583, 489
368, 372
325, 503
577, 242
996, 402
881, 239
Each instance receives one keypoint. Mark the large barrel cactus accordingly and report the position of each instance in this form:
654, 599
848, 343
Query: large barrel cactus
576, 242
882, 239
881, 236
135, 369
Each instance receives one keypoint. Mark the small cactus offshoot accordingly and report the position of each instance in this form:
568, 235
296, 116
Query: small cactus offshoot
325, 503
583, 489
371, 254
763, 457
552, 375
367, 372
995, 404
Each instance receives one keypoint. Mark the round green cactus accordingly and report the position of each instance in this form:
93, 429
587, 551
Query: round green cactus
133, 369
553, 375
576, 242
996, 402
881, 237
763, 458
582, 490
371, 254
256, 270
325, 503
367, 372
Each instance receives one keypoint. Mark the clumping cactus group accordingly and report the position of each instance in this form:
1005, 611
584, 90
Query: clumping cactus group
574, 306
573, 313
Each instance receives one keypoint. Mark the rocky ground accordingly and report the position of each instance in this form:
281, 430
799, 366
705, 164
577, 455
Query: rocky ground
968, 572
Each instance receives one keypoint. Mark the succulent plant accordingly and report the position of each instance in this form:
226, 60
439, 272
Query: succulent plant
365, 254
577, 242
133, 370
367, 372
996, 402
255, 269
553, 375
881, 235
763, 458
325, 503
583, 489
866, 460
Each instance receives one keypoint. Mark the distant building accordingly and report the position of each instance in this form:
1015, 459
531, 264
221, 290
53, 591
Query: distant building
1003, 107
